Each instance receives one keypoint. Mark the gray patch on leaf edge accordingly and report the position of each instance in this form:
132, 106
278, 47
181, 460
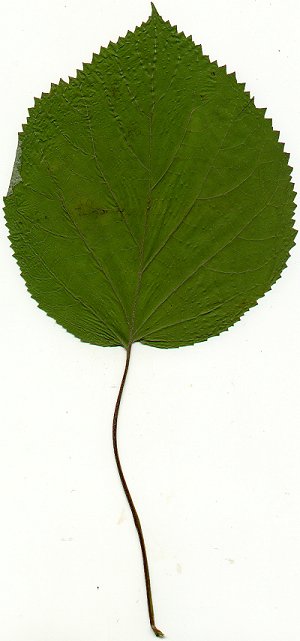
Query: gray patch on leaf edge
16, 176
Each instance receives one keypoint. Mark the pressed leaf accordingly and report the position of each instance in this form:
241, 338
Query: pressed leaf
151, 200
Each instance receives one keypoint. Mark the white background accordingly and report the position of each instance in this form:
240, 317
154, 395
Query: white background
209, 435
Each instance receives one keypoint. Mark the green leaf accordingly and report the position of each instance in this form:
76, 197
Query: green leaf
150, 200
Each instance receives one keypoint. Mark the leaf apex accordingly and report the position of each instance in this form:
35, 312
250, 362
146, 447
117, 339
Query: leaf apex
154, 11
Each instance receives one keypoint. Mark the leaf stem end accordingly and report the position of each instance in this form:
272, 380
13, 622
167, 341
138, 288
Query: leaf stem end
157, 632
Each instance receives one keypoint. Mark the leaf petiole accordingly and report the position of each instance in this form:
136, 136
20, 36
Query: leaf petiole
135, 515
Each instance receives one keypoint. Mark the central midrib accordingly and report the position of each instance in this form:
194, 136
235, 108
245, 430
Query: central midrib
149, 203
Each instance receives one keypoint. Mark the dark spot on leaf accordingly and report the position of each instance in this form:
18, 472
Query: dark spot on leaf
88, 208
114, 91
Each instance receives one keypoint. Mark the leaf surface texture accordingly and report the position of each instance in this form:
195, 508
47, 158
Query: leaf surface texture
150, 200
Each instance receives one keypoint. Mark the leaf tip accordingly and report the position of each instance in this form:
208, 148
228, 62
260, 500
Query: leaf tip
154, 12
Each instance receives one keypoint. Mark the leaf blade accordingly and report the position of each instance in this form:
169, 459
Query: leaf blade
151, 189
